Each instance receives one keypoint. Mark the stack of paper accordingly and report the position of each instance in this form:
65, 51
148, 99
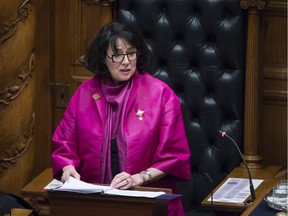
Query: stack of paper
235, 190
78, 186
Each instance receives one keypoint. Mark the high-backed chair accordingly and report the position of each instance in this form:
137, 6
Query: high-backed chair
198, 48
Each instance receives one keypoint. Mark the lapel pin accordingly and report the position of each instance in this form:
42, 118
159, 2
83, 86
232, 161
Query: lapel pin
140, 114
96, 96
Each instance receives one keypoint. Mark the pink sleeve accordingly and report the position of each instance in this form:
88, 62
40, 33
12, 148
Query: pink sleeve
173, 153
64, 142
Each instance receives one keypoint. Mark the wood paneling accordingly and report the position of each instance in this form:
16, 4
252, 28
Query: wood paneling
43, 52
274, 119
76, 24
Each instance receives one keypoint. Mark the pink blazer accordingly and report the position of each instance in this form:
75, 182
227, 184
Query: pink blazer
158, 140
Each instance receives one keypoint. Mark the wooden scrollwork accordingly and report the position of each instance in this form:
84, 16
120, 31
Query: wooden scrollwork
16, 150
259, 4
12, 91
33, 202
9, 27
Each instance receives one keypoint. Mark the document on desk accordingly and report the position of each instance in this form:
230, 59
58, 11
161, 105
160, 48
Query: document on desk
235, 190
78, 186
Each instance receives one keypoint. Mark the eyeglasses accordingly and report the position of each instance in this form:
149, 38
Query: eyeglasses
118, 58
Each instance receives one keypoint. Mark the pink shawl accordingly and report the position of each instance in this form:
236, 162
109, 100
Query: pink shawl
116, 99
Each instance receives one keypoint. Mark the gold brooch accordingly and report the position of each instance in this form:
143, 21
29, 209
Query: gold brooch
140, 114
96, 96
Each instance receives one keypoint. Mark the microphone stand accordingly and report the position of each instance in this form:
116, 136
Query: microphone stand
252, 190
211, 188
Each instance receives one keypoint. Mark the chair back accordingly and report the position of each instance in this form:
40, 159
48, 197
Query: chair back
198, 48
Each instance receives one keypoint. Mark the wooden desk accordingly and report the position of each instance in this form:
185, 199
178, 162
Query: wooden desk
41, 201
267, 174
279, 176
65, 203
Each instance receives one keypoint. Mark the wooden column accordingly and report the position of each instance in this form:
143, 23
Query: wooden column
253, 81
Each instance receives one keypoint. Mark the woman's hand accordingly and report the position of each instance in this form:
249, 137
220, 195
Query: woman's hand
124, 180
68, 171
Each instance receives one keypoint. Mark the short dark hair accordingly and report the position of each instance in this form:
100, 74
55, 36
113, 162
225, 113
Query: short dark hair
94, 58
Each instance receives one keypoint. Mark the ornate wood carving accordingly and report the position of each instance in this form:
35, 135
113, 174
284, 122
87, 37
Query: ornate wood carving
11, 155
12, 91
33, 202
9, 27
259, 4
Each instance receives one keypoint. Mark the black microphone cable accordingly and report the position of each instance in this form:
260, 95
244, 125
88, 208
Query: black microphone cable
211, 188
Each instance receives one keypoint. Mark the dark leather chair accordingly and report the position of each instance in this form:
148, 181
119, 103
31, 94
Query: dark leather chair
10, 201
198, 48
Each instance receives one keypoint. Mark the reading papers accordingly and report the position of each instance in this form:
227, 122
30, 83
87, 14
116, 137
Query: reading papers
235, 190
78, 186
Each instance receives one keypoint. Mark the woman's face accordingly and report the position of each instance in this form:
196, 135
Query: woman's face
121, 70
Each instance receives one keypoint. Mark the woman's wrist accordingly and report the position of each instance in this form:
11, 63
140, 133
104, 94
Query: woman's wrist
146, 176
137, 180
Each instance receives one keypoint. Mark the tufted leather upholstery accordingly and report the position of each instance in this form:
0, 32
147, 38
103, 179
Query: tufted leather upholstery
198, 48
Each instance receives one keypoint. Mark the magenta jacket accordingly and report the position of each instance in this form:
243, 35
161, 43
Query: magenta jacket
158, 140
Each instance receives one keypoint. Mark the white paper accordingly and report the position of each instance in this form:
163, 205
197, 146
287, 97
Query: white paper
78, 186
134, 193
235, 190
53, 184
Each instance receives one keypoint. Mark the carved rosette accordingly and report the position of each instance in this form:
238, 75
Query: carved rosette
259, 4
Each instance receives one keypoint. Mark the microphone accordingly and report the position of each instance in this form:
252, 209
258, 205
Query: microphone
252, 190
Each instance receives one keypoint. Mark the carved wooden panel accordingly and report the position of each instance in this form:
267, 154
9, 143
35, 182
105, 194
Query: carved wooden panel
17, 35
